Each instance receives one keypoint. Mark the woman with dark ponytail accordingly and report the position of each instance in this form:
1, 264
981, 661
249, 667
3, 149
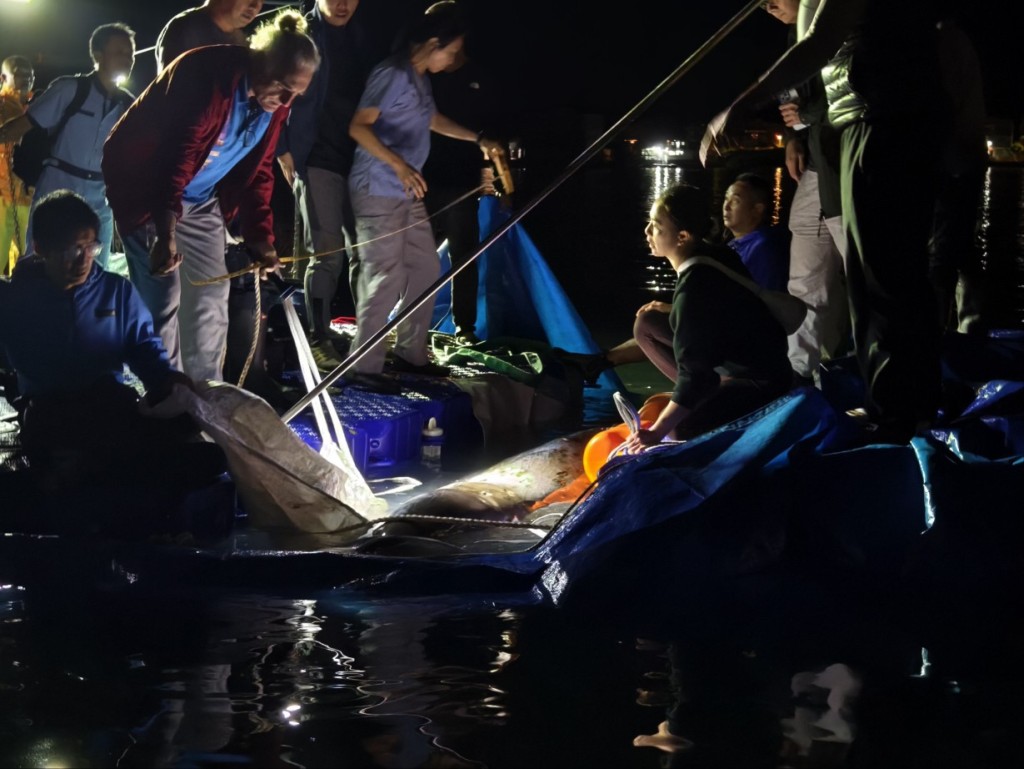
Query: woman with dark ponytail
398, 257
718, 341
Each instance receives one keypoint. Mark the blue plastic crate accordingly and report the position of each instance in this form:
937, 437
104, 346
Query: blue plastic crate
380, 430
452, 407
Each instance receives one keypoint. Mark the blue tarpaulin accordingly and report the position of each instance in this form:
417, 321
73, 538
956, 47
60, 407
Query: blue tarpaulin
518, 295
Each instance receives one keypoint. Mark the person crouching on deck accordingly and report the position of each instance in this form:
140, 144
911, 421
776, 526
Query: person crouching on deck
67, 329
721, 345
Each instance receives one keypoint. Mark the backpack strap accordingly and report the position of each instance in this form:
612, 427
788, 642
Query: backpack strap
81, 94
693, 261
787, 309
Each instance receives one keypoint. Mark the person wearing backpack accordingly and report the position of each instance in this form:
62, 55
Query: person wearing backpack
77, 135
16, 79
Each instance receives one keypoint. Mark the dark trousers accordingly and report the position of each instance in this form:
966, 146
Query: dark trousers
97, 465
953, 257
888, 205
98, 435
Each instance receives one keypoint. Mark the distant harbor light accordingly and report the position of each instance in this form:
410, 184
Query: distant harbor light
669, 152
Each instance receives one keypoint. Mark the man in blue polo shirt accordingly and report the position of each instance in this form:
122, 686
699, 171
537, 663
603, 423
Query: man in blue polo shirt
67, 329
763, 247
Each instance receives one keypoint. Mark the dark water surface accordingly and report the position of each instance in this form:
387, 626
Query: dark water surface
591, 232
97, 669
188, 678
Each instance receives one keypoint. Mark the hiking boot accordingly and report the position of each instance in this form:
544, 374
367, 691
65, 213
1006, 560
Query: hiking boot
466, 338
374, 383
402, 366
325, 355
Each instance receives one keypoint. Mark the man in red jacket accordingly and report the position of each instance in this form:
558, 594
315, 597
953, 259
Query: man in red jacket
194, 151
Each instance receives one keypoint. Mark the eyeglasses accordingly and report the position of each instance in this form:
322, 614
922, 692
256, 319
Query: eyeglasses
287, 94
76, 252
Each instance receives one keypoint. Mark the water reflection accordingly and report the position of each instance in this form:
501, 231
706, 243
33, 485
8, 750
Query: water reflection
831, 692
1000, 244
999, 241
327, 683
663, 177
195, 678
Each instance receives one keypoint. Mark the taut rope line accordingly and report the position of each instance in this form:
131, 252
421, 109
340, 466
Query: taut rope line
573, 167
289, 259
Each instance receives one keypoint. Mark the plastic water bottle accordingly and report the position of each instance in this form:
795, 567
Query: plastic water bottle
430, 447
789, 96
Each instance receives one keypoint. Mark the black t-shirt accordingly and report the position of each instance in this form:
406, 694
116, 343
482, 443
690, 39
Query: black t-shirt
722, 327
334, 148
471, 98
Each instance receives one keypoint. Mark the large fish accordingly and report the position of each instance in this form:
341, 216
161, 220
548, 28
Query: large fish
505, 492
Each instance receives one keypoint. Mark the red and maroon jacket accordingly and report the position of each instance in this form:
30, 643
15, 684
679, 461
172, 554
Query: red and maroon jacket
164, 138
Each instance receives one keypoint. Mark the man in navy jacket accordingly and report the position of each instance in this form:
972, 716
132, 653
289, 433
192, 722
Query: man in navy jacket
68, 328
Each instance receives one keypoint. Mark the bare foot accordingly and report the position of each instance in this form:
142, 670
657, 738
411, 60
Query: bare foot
663, 739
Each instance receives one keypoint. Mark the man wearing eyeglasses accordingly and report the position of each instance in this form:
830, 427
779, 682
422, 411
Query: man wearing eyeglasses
195, 151
68, 328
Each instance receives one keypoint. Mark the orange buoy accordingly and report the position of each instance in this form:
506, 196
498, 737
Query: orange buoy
596, 452
653, 406
600, 446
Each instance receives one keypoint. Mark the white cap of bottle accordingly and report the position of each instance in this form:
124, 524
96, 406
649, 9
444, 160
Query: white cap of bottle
432, 430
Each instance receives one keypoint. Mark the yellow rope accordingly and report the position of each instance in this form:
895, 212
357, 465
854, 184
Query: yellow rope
258, 321
255, 267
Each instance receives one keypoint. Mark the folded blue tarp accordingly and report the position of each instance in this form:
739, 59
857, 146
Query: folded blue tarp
518, 296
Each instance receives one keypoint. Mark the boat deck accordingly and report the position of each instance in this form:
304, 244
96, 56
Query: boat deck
486, 416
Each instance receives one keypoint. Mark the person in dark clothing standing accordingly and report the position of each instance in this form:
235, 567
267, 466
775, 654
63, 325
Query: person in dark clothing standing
466, 93
727, 352
879, 63
215, 22
315, 154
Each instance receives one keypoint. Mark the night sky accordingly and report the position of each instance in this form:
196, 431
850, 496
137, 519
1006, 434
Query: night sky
558, 59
